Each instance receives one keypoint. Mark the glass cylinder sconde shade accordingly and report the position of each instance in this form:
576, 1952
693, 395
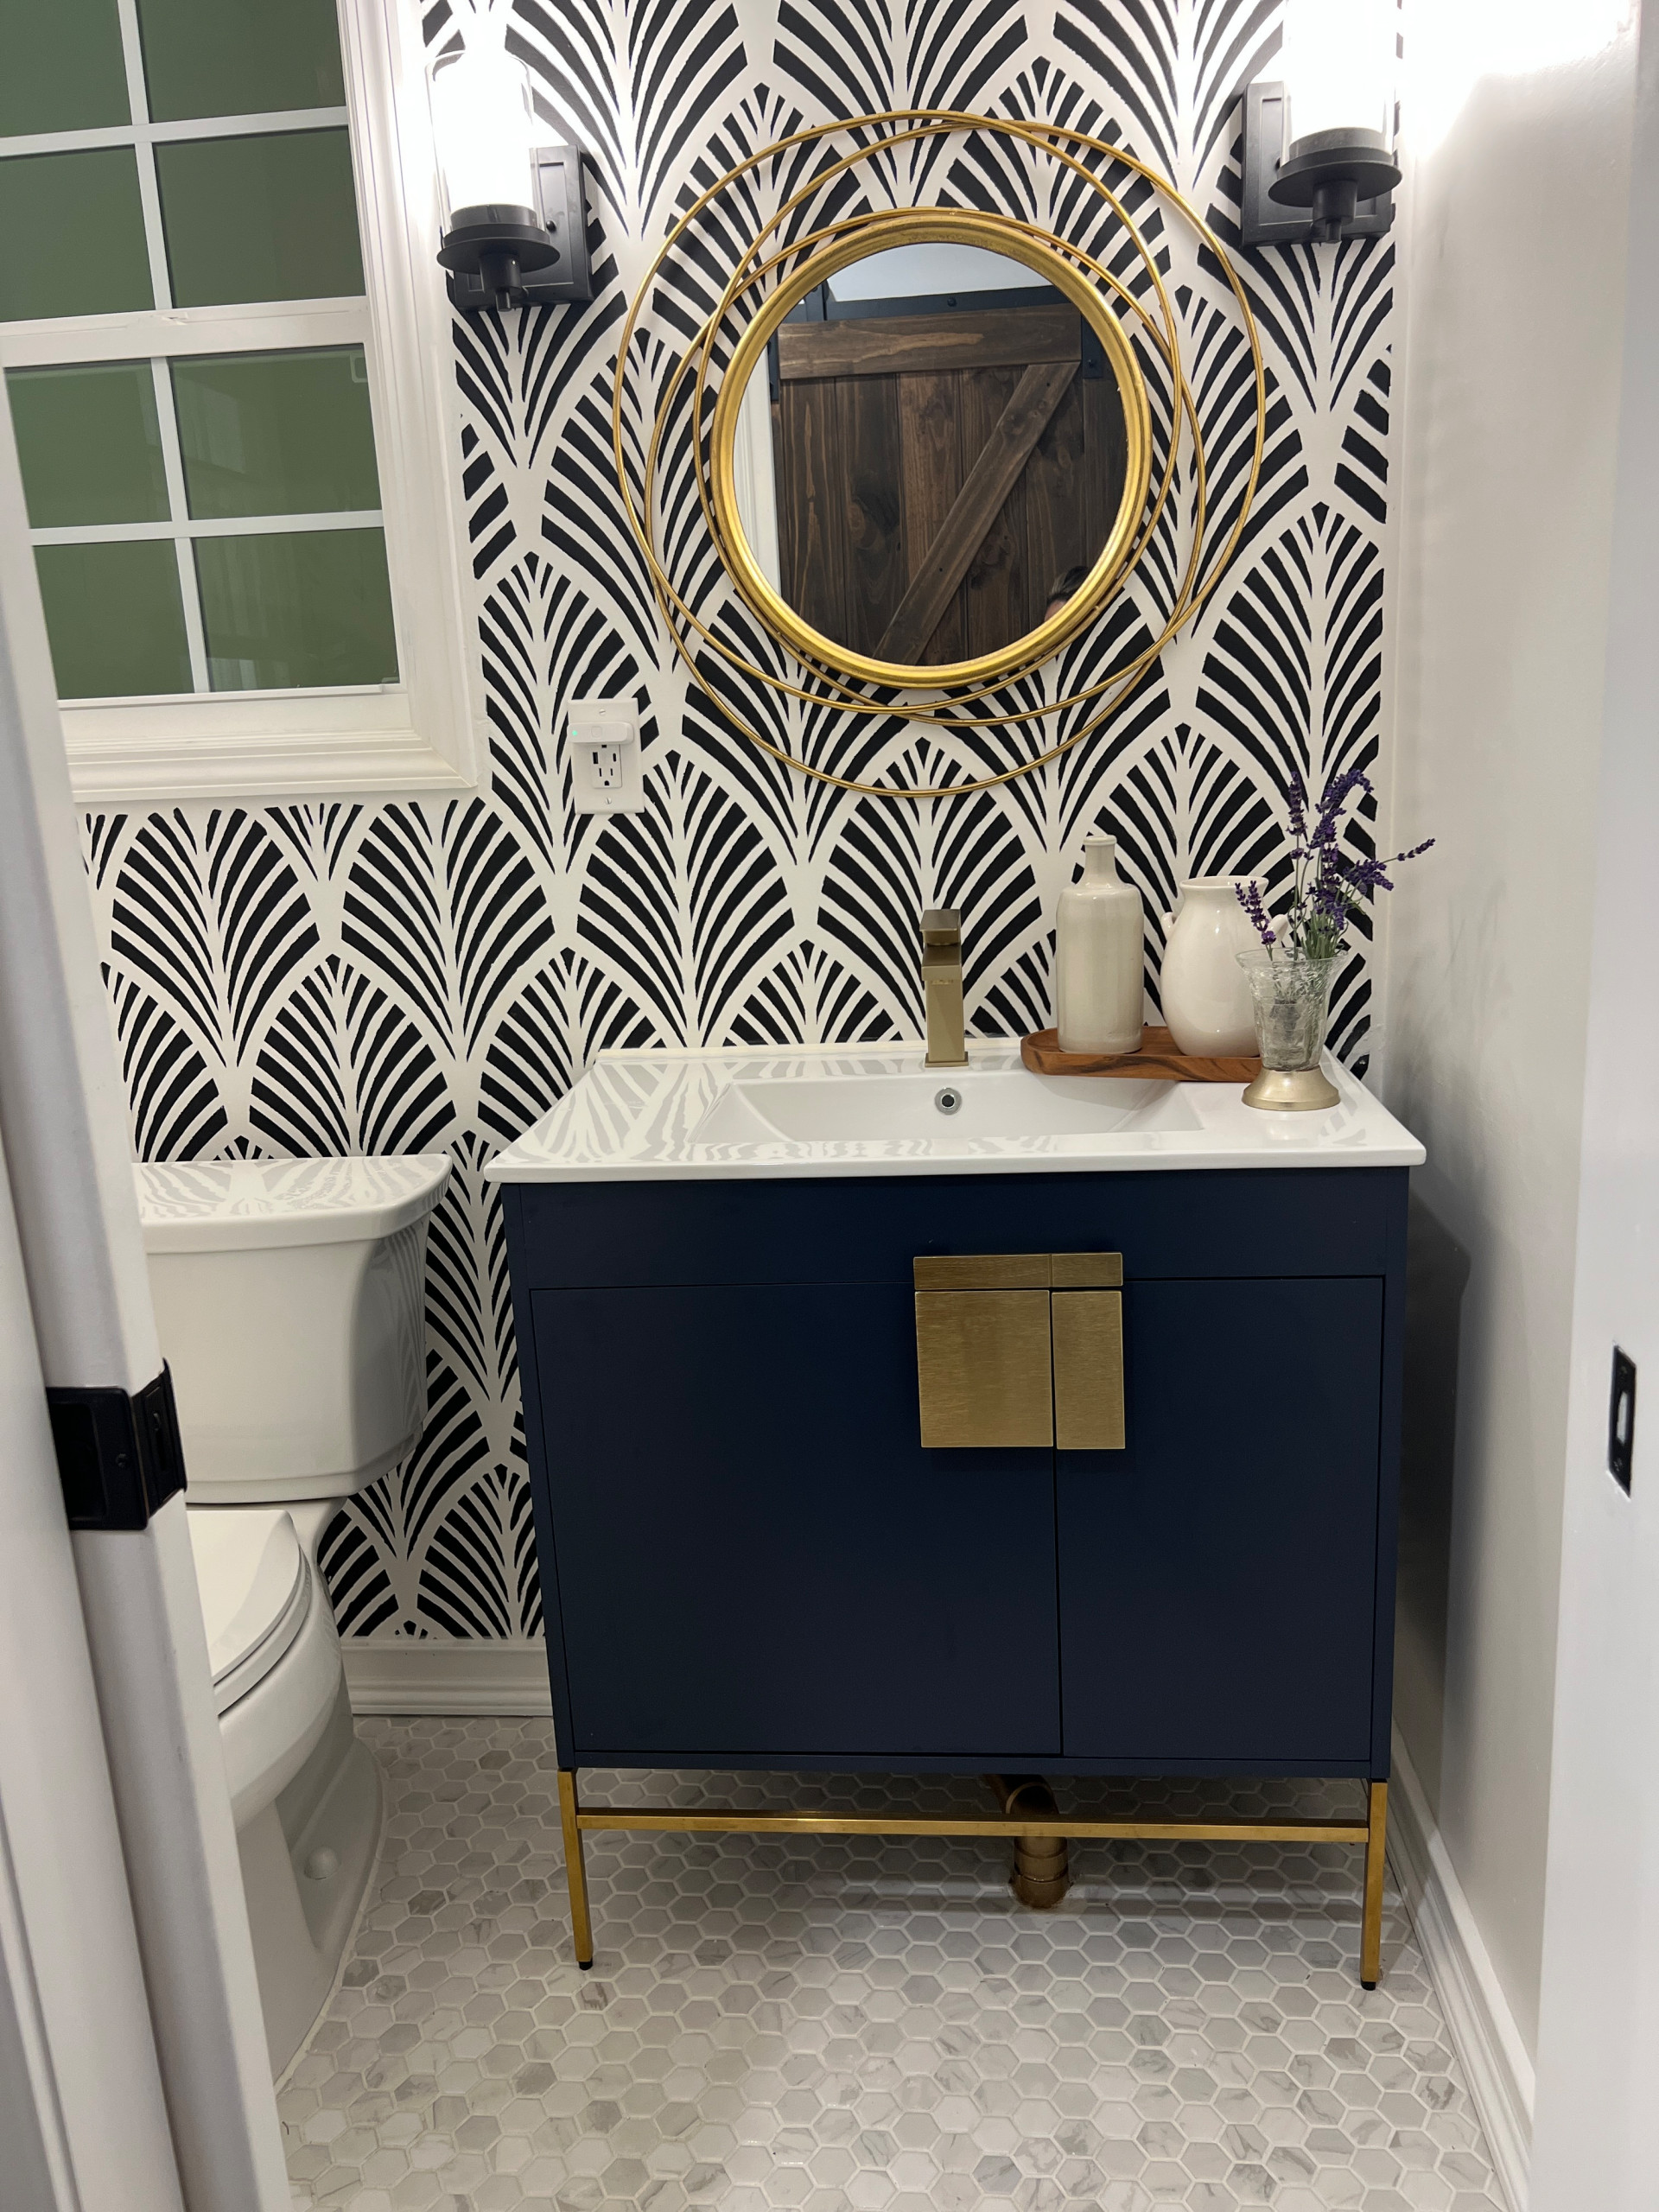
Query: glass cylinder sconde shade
514, 219
1335, 106
1318, 164
1337, 66
483, 129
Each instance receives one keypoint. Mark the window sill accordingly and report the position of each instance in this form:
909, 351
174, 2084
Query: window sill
314, 745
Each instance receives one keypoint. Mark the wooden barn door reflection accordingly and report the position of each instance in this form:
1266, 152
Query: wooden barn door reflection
939, 472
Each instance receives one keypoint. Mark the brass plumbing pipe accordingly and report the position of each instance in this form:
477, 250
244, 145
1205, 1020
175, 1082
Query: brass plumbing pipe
1042, 1869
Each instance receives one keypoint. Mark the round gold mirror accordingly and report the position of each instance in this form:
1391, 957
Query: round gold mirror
813, 708
931, 452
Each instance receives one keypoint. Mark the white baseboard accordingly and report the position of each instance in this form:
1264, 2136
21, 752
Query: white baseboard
388, 1676
1495, 2062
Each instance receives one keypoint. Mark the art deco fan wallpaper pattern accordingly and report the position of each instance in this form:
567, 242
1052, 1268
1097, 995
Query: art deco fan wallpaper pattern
419, 976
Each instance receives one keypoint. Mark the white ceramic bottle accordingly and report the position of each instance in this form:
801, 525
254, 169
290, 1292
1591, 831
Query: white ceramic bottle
1205, 994
1099, 947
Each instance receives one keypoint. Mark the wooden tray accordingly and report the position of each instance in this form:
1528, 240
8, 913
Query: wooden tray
1156, 1061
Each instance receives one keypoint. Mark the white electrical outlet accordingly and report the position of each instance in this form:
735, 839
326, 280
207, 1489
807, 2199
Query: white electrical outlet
605, 773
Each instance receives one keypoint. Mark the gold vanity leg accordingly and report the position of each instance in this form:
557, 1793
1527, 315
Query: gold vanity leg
1370, 1939
575, 1874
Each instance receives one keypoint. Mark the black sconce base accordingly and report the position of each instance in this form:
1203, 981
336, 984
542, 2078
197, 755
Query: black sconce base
1331, 185
504, 257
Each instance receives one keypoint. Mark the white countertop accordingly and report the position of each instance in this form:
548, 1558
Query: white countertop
677, 1116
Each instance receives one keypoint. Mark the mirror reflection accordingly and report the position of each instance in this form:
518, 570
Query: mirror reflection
932, 455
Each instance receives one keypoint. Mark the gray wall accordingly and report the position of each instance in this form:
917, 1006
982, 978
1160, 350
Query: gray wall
1514, 285
1597, 2125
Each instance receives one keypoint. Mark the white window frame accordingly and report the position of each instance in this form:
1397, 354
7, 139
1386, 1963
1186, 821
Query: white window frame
425, 731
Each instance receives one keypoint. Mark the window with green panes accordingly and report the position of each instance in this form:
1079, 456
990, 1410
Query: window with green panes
205, 507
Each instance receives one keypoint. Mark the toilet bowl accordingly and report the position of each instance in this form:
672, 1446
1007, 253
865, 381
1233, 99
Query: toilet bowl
288, 1301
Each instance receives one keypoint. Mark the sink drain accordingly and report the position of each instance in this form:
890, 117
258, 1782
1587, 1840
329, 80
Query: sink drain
947, 1100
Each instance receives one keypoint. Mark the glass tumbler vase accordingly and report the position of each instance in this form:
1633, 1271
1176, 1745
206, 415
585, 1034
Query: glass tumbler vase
1291, 996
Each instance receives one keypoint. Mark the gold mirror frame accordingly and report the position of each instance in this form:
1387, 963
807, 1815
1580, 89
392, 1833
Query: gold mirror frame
929, 227
704, 230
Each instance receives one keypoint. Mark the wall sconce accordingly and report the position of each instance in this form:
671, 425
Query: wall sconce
515, 225
1319, 160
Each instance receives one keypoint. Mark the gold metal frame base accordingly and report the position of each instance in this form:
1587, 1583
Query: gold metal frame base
1372, 1832
1292, 1091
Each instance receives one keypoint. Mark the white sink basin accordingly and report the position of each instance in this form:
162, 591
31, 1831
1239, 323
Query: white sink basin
643, 1116
942, 1105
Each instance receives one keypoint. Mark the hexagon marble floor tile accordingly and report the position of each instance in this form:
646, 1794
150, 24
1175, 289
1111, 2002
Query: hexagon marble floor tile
861, 2025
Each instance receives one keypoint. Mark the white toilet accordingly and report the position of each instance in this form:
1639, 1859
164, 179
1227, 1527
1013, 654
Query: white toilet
288, 1298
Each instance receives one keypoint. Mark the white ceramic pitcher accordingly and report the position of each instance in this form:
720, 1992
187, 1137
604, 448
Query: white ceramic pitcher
1205, 994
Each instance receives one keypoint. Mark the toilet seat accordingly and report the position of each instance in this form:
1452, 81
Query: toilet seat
253, 1580
271, 1643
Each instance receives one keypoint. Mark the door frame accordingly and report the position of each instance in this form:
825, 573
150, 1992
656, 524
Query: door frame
81, 2109
82, 1292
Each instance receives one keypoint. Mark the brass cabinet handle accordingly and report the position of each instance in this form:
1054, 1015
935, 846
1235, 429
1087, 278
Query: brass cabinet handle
1086, 1270
1088, 1338
981, 1270
1021, 1349
1017, 1270
983, 1363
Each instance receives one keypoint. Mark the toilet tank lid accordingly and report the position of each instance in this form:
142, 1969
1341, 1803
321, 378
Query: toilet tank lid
221, 1205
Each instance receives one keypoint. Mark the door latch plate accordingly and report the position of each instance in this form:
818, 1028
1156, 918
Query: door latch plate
119, 1454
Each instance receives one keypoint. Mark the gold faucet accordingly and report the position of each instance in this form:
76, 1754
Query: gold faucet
942, 986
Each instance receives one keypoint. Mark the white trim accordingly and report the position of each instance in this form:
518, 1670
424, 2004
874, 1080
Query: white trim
150, 191
1488, 2043
178, 503
128, 533
271, 123
413, 393
334, 762
85, 2128
386, 1675
172, 333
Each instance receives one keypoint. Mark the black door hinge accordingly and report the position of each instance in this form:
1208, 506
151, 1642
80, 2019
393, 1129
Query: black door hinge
119, 1456
1621, 1420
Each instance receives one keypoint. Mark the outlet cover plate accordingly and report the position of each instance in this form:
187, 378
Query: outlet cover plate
605, 770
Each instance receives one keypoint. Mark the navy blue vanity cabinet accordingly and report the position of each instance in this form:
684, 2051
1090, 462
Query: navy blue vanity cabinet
754, 1553
1218, 1576
749, 1560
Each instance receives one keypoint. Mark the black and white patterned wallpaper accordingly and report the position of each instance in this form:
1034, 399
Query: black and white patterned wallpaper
422, 975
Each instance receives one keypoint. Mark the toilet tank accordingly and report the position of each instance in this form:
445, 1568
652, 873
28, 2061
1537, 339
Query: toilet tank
288, 1301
